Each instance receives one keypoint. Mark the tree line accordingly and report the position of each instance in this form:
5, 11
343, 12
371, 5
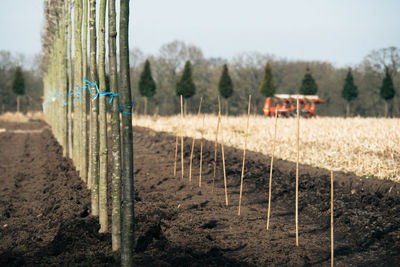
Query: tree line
75, 79
367, 89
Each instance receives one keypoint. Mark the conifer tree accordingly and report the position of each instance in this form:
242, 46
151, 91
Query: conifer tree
387, 92
349, 92
185, 85
308, 85
147, 86
267, 87
225, 87
18, 85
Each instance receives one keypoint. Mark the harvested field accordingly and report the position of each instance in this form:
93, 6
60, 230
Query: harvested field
44, 210
368, 147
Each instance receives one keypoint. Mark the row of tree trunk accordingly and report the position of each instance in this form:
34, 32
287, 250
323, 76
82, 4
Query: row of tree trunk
66, 98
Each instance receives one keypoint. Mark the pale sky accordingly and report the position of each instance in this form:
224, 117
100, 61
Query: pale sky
342, 32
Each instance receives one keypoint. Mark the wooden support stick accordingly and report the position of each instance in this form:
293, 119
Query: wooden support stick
244, 155
223, 165
182, 135
271, 168
216, 144
332, 244
201, 151
192, 150
176, 153
297, 174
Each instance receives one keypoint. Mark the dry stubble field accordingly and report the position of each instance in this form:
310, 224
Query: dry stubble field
369, 147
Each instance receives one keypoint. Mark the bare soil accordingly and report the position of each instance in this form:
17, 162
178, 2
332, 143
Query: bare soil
45, 209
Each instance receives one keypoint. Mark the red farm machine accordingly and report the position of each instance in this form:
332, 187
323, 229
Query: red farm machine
285, 105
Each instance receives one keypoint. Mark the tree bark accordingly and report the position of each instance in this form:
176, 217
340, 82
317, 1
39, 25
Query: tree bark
70, 99
386, 109
127, 149
348, 110
145, 105
115, 130
77, 81
18, 103
226, 106
94, 140
103, 214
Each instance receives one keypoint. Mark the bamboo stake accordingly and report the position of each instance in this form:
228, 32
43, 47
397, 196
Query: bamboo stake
270, 171
201, 151
332, 244
192, 150
182, 171
244, 154
216, 144
176, 153
223, 166
297, 174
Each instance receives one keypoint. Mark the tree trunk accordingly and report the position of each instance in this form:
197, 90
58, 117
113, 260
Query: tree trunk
386, 109
348, 110
145, 105
103, 214
84, 136
185, 107
70, 99
63, 79
77, 81
94, 131
18, 103
127, 175
115, 130
84, 39
226, 106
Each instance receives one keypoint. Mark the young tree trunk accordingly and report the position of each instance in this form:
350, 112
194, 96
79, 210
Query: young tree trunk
84, 136
94, 139
70, 99
386, 109
348, 110
226, 106
127, 148
115, 130
18, 103
84, 39
103, 214
145, 105
77, 81
63, 79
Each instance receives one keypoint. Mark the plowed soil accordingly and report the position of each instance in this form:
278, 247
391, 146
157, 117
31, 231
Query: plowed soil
45, 209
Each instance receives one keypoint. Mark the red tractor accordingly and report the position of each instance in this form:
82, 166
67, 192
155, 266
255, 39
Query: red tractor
285, 105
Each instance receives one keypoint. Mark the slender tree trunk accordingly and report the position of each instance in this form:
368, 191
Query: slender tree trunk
226, 106
386, 109
70, 99
18, 103
145, 105
103, 214
127, 149
63, 79
84, 136
348, 110
94, 139
77, 81
84, 39
115, 130
185, 106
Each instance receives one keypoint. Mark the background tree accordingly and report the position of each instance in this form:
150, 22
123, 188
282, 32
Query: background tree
18, 85
147, 86
349, 92
185, 86
308, 85
267, 87
387, 93
225, 87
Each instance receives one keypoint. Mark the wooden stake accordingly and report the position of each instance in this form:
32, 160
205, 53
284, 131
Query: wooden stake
216, 144
297, 174
270, 171
201, 151
192, 150
244, 154
223, 165
182, 135
332, 244
176, 153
